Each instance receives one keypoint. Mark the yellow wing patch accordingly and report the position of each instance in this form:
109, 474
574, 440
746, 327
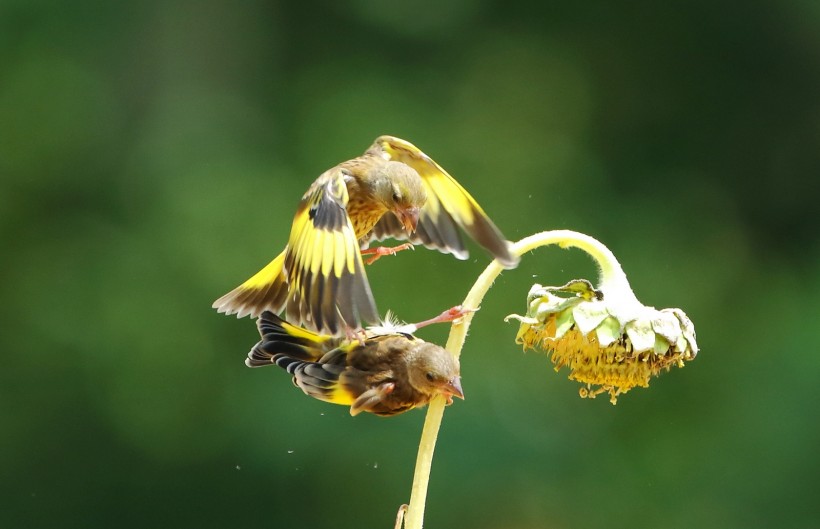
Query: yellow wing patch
444, 188
266, 290
328, 290
448, 204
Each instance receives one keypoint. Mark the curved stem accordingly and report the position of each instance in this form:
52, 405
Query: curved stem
611, 278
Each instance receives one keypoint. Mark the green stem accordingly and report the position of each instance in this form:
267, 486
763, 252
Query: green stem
612, 278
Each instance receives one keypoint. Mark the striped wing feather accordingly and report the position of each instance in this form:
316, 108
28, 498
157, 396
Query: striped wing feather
448, 206
328, 288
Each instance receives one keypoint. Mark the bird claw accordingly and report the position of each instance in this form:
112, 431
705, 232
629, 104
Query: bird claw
368, 400
355, 334
380, 251
453, 314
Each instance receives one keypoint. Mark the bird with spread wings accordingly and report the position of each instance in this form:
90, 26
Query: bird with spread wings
393, 190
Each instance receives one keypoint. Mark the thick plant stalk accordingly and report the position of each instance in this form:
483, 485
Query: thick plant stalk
611, 274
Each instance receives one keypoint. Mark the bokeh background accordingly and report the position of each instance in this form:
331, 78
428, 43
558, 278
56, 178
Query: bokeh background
152, 155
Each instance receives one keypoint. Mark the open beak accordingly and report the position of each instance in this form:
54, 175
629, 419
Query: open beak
453, 389
409, 218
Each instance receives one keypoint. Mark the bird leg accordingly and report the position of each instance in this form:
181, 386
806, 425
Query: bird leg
448, 315
391, 326
379, 251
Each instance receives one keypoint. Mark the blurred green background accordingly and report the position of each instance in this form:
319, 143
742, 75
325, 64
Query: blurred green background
151, 158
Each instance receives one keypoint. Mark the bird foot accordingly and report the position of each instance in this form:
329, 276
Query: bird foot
368, 400
453, 314
355, 334
380, 251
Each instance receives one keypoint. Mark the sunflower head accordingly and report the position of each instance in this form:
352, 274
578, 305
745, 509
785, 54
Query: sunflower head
610, 345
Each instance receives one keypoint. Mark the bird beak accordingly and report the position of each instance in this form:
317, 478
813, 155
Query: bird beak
409, 218
453, 388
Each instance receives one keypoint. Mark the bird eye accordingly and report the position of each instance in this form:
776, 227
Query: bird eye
430, 377
396, 189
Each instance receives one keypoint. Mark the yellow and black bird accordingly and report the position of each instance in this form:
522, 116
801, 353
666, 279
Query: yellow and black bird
389, 372
319, 278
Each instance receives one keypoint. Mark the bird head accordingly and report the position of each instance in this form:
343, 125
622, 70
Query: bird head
401, 190
432, 370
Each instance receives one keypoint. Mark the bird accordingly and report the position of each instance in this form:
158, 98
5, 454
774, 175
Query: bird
387, 373
393, 190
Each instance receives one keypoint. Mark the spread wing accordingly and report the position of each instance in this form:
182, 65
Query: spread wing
327, 287
449, 207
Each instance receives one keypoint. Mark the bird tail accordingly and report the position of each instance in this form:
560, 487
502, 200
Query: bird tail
283, 343
313, 359
266, 290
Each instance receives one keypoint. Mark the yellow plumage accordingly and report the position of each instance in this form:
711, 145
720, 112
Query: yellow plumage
394, 191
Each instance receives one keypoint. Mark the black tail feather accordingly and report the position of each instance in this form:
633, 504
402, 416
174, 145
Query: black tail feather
280, 338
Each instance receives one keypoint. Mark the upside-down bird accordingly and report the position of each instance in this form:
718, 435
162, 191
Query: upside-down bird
392, 190
387, 372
